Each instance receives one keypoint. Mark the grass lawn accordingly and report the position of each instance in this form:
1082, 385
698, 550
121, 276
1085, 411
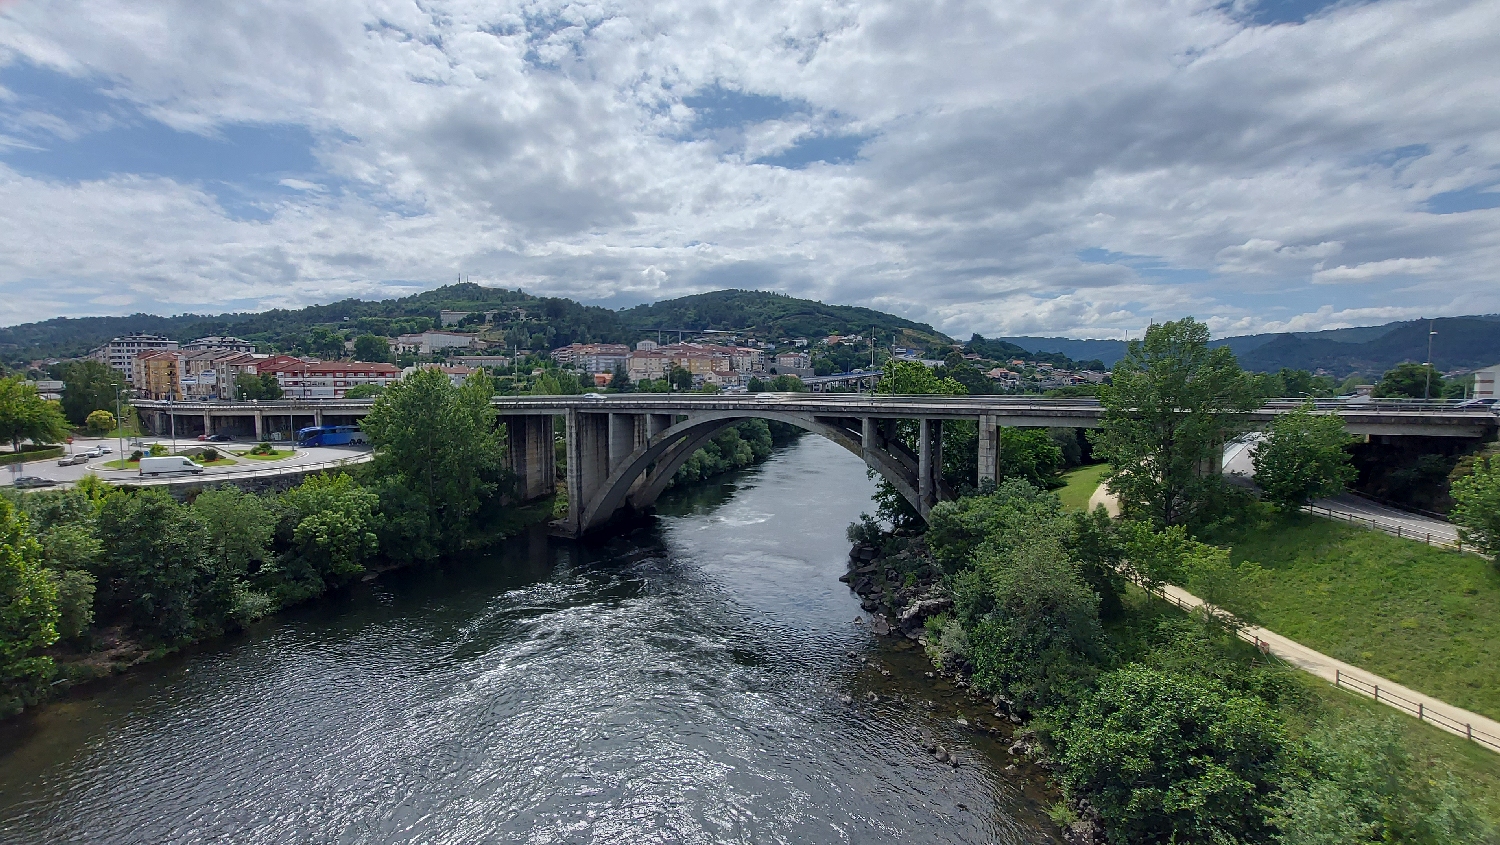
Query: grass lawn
1081, 484
1421, 616
276, 455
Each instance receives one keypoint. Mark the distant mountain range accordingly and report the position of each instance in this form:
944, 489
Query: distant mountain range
1461, 343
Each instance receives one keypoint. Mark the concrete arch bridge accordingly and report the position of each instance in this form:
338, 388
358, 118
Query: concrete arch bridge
623, 450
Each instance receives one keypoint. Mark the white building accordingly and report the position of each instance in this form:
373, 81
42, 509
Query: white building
428, 342
120, 353
456, 375
1487, 383
223, 342
592, 357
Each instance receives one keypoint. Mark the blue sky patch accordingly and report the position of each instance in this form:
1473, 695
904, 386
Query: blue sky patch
1476, 198
829, 149
723, 108
1268, 12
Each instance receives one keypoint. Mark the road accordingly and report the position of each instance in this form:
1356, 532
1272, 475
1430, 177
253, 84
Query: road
67, 475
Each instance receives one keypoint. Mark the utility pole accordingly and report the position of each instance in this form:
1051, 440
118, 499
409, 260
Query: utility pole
1427, 388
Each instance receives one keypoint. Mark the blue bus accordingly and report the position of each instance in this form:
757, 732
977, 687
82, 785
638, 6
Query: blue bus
330, 435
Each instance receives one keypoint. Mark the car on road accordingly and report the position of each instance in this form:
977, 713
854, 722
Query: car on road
169, 464
28, 481
219, 438
74, 460
594, 396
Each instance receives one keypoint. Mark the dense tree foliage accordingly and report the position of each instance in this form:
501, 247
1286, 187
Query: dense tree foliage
25, 415
89, 386
369, 347
28, 610
1304, 457
1173, 404
1168, 757
1476, 510
1410, 381
253, 386
438, 454
772, 315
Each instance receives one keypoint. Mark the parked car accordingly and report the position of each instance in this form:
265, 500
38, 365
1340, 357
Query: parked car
73, 460
26, 481
220, 438
169, 464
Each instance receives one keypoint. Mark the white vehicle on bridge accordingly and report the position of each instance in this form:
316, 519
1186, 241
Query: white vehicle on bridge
169, 464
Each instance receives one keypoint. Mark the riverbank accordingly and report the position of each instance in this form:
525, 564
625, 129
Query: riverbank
114, 650
991, 607
697, 678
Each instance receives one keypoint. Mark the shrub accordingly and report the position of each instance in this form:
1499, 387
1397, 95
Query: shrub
209, 455
262, 449
136, 455
158, 450
100, 422
1166, 757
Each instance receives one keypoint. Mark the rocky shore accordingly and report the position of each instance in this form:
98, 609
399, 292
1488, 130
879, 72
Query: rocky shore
902, 588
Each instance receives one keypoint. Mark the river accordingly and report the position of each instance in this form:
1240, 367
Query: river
698, 680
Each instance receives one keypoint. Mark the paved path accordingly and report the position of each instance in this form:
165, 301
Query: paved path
243, 466
1454, 720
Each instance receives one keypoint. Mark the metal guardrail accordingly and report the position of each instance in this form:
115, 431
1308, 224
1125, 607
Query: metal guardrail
1343, 680
1415, 708
268, 472
1395, 529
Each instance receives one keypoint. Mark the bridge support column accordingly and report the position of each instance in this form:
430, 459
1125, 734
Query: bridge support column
622, 438
657, 423
926, 496
260, 426
208, 423
318, 418
588, 462
989, 449
529, 453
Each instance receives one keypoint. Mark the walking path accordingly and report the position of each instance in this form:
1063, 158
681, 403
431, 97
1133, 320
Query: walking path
1454, 720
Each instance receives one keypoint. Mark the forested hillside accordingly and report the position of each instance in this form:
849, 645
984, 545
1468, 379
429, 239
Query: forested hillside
775, 315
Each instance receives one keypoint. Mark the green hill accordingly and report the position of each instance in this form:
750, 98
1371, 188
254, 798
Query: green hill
770, 316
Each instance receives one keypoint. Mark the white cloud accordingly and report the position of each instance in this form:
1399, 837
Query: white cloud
545, 144
1375, 269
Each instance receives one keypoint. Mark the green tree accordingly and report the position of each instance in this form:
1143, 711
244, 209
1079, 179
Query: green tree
786, 384
1304, 457
369, 347
100, 422
440, 444
1410, 381
237, 530
335, 526
270, 386
154, 569
364, 391
28, 608
755, 385
89, 386
681, 379
1165, 757
1476, 505
620, 380
25, 415
1030, 454
1172, 405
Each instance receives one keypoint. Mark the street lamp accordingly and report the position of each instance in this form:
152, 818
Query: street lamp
119, 423
1427, 387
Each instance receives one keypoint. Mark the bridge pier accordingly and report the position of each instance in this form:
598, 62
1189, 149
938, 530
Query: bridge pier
989, 449
529, 453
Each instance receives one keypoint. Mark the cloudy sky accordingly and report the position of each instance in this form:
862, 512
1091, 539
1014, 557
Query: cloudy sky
1075, 168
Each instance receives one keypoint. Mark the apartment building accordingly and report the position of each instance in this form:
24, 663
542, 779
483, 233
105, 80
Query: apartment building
426, 343
121, 352
221, 343
1487, 383
157, 374
300, 379
591, 357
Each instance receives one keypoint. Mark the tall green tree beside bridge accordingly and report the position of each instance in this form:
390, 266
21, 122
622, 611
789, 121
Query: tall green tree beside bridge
1172, 405
1305, 457
437, 460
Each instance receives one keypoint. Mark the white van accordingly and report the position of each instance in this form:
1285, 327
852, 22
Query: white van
169, 464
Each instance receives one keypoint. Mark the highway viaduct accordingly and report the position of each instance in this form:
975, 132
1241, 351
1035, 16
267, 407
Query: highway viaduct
623, 450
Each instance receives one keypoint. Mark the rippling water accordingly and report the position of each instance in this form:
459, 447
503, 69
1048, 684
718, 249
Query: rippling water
683, 683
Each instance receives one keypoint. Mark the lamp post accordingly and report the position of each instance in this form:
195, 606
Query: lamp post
119, 423
1427, 387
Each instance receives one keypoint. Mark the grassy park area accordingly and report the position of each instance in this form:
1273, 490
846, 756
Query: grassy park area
1081, 484
1421, 616
272, 455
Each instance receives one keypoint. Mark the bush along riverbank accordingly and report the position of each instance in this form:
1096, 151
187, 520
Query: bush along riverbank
1155, 726
96, 579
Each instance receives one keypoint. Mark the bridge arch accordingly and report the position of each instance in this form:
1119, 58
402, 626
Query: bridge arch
639, 478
